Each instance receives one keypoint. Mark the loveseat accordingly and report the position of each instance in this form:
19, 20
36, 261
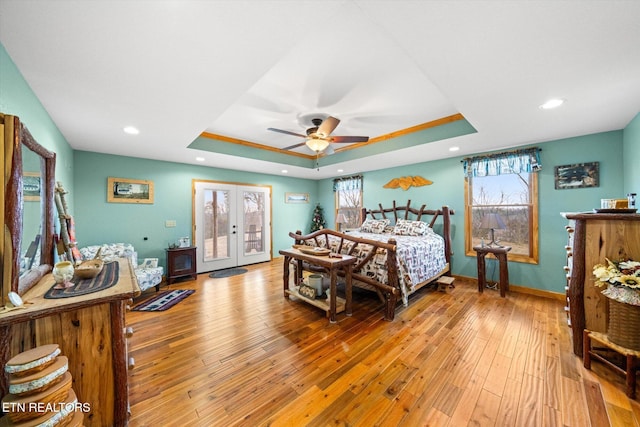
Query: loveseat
148, 273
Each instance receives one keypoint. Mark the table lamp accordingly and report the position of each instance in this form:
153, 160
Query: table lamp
493, 221
340, 219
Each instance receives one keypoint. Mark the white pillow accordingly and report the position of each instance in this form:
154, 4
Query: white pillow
405, 227
149, 263
374, 225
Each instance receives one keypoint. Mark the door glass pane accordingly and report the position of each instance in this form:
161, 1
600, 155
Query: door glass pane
253, 211
216, 224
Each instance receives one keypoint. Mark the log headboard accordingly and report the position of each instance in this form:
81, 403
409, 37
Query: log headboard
407, 212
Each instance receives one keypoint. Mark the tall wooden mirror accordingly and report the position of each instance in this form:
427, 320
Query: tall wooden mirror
28, 220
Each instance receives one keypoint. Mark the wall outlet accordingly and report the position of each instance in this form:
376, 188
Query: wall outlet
170, 223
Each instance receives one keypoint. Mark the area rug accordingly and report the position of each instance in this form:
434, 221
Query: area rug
227, 273
164, 300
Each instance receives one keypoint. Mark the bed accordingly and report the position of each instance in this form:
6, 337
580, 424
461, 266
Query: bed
398, 250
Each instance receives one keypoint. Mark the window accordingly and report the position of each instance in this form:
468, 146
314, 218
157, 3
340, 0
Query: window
505, 184
348, 193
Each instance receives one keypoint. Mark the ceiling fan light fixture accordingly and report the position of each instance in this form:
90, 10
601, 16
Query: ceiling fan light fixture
317, 145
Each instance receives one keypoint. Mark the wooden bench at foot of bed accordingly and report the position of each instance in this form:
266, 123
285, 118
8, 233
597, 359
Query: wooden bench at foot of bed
388, 293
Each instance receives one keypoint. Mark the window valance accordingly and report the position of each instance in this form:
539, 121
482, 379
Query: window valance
518, 161
347, 183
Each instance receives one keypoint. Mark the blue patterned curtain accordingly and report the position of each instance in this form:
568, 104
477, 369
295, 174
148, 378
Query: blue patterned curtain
519, 161
347, 183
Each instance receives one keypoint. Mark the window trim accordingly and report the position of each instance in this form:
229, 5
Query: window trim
534, 256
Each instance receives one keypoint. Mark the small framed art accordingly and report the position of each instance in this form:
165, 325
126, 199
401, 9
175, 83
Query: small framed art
296, 197
31, 183
125, 190
579, 175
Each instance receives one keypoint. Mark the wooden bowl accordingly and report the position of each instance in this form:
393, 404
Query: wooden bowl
312, 250
89, 269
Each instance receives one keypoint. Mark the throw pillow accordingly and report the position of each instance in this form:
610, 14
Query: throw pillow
405, 227
374, 225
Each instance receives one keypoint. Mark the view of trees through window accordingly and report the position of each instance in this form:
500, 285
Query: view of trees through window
348, 203
514, 198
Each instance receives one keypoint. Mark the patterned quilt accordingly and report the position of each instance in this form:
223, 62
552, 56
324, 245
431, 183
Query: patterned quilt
419, 258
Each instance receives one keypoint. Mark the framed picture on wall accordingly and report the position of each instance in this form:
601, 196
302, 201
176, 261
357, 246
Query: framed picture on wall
125, 190
296, 197
579, 175
31, 183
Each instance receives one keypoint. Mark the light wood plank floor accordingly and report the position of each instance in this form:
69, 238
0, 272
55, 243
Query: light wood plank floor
236, 352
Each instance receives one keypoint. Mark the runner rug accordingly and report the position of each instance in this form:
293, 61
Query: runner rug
164, 300
104, 280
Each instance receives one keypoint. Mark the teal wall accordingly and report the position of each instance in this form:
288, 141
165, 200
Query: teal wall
17, 98
85, 175
631, 155
100, 222
448, 189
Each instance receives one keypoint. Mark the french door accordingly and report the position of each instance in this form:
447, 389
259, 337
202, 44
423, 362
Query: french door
232, 225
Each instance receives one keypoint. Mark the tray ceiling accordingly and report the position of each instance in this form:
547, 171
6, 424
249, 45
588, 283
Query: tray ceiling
185, 72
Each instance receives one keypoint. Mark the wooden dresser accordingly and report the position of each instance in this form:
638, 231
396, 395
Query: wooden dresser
90, 330
594, 238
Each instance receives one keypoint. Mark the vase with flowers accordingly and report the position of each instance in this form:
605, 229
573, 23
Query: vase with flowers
622, 279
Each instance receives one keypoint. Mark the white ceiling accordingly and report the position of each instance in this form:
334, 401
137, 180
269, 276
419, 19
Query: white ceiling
175, 69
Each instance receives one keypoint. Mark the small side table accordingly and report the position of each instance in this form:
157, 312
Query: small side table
181, 262
500, 253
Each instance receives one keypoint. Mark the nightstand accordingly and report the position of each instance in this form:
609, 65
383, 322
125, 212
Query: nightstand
500, 252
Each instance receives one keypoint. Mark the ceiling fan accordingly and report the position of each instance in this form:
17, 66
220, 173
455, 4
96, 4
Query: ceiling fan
318, 137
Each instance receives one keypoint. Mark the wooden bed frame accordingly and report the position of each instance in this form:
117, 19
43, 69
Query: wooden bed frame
389, 291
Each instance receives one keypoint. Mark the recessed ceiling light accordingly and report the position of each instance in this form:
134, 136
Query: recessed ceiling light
340, 170
454, 148
200, 159
552, 103
285, 171
131, 130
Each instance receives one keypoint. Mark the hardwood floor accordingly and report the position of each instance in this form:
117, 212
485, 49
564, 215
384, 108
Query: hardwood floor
236, 352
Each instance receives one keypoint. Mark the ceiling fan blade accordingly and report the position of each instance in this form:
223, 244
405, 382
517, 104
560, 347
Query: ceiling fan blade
294, 146
286, 132
343, 139
327, 126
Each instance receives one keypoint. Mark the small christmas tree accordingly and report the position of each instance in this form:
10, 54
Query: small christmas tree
317, 221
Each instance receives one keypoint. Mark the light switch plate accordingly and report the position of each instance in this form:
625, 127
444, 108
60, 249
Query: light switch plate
170, 223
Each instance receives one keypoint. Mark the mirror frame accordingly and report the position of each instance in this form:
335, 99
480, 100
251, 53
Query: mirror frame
14, 205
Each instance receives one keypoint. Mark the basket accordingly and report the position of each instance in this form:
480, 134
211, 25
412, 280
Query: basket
57, 393
624, 324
